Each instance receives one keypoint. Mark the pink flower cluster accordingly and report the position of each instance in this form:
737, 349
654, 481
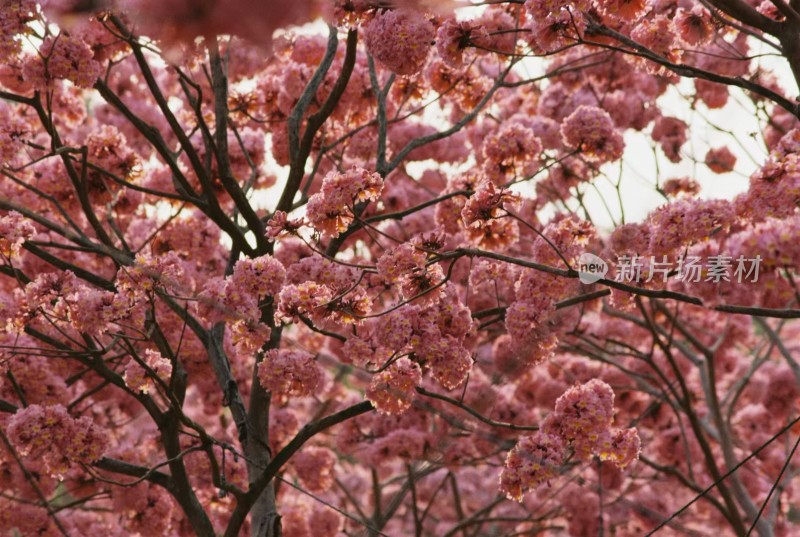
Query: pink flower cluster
14, 16
393, 390
536, 459
51, 435
625, 10
695, 26
511, 152
14, 230
670, 132
400, 39
686, 221
487, 203
680, 185
139, 379
453, 37
62, 57
407, 266
580, 424
775, 189
555, 23
720, 160
591, 130
330, 211
109, 149
258, 277
307, 299
289, 373
237, 298
280, 225
314, 468
658, 35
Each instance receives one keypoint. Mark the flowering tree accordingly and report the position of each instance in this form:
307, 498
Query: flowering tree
349, 284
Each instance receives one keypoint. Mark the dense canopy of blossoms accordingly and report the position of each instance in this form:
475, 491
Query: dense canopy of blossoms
279, 281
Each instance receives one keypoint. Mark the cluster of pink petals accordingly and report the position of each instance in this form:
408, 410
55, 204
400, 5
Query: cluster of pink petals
280, 224
259, 277
453, 37
64, 57
14, 230
449, 361
536, 459
307, 299
393, 390
51, 435
581, 425
238, 296
400, 39
775, 189
487, 203
314, 468
511, 151
720, 160
14, 17
695, 26
658, 35
686, 221
592, 131
681, 185
625, 10
108, 148
670, 132
289, 373
407, 266
139, 379
330, 211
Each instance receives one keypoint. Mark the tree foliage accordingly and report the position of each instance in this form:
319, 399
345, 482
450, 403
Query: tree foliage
312, 284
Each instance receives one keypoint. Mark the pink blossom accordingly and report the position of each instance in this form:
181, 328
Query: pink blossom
330, 211
720, 160
50, 434
487, 203
670, 132
314, 468
591, 130
14, 17
280, 225
401, 262
259, 277
400, 39
681, 185
393, 390
67, 57
512, 150
534, 460
14, 230
300, 300
621, 446
626, 10
289, 373
714, 95
686, 221
139, 379
582, 415
658, 35
695, 27
453, 37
